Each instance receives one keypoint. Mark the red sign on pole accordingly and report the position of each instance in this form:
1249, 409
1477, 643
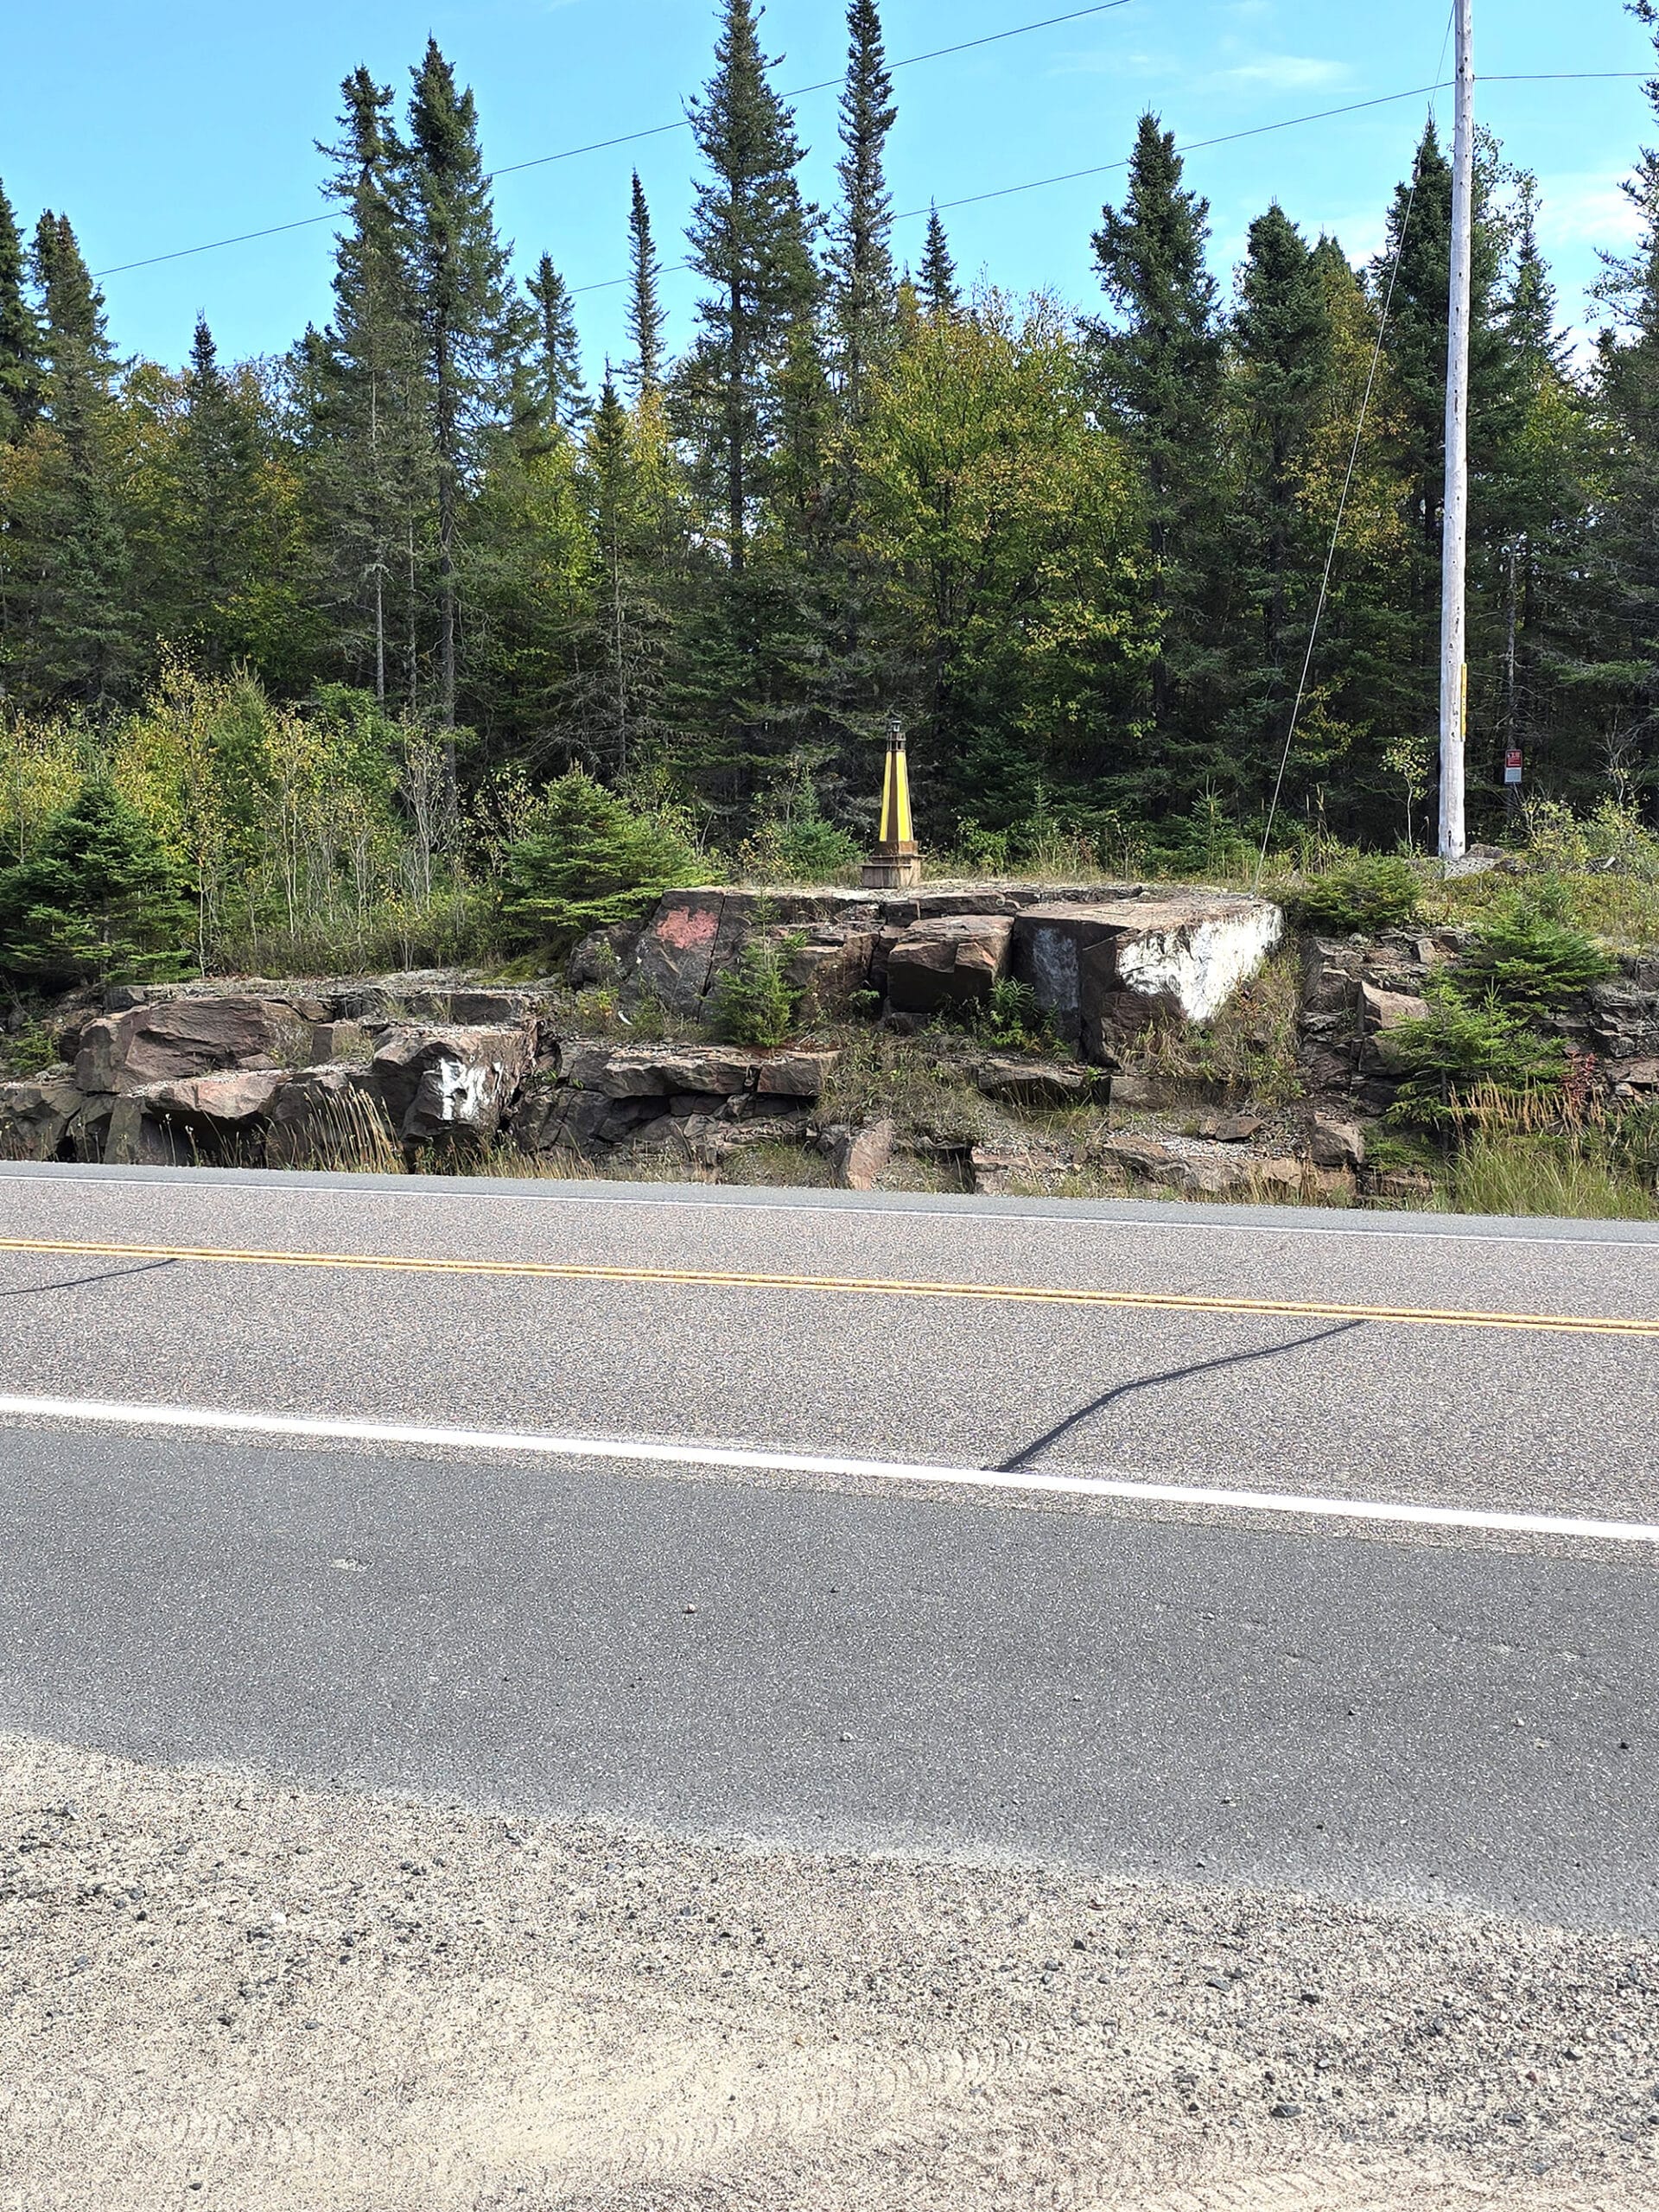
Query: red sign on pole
1512, 767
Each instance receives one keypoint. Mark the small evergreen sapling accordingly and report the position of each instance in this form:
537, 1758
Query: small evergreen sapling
591, 861
99, 900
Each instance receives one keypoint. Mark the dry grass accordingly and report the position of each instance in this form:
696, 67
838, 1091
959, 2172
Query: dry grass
879, 1076
1250, 1046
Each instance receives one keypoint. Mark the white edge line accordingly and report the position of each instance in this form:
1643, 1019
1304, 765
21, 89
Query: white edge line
429, 1190
691, 1453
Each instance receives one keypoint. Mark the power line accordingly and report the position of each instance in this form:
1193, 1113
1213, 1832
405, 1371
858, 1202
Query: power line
1347, 486
627, 138
1192, 146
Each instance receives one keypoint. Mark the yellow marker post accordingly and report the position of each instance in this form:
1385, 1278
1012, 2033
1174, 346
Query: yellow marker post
895, 860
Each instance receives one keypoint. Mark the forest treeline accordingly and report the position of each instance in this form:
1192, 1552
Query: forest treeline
365, 599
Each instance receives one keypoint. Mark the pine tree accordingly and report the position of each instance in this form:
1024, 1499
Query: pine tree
468, 318
936, 283
1160, 361
559, 400
750, 242
862, 288
644, 375
21, 366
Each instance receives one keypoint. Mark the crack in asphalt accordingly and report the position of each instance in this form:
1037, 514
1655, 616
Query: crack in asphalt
1029, 1452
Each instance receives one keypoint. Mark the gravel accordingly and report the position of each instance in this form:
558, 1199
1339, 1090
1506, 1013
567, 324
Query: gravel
230, 1992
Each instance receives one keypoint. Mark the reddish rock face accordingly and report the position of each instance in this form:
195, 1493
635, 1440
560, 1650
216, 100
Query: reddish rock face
36, 1118
676, 953
234, 1098
952, 960
175, 1039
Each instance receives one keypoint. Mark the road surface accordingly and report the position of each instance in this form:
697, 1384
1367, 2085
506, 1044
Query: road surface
851, 1641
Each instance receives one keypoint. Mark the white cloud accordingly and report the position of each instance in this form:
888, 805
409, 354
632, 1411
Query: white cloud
1586, 208
1113, 62
1285, 72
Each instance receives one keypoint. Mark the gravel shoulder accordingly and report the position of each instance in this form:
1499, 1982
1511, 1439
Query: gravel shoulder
220, 1991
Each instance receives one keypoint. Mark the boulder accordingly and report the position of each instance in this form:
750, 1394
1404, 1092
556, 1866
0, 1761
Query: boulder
1381, 1009
559, 1121
134, 1138
328, 1117
793, 1074
339, 1041
716, 1070
1631, 1079
1330, 974
440, 1084
236, 1097
1383, 1012
949, 961
1033, 1083
858, 1157
1229, 1128
1332, 1143
162, 1042
1625, 1018
37, 1118
1141, 1155
830, 967
1105, 973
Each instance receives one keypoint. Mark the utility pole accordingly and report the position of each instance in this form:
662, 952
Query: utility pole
1455, 528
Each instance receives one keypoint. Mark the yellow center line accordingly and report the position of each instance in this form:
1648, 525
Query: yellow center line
868, 1286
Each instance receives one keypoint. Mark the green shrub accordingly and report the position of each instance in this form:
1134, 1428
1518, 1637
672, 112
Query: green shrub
1530, 961
977, 850
99, 900
1013, 1017
754, 1001
1371, 891
1463, 1061
591, 860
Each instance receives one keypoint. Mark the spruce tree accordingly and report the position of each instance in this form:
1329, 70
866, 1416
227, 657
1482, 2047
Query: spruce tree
210, 553
468, 317
1623, 666
1281, 356
559, 399
364, 383
643, 374
863, 290
937, 284
1416, 343
70, 571
1540, 510
1160, 359
749, 239
21, 366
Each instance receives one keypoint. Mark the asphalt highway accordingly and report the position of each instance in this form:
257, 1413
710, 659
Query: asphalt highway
1273, 1683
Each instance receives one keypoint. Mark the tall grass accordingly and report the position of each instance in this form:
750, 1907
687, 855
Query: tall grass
1508, 1173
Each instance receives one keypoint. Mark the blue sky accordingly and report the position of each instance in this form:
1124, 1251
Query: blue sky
166, 126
